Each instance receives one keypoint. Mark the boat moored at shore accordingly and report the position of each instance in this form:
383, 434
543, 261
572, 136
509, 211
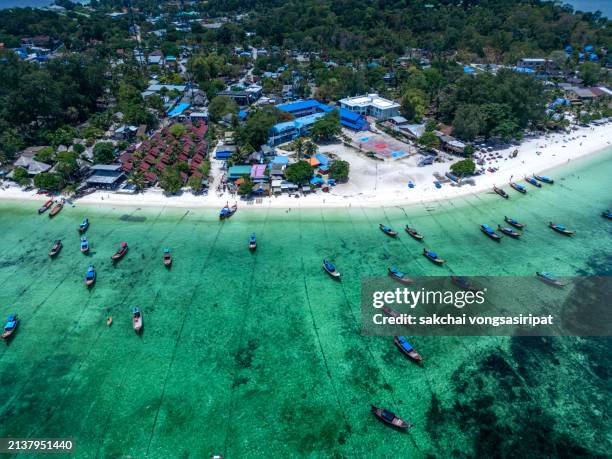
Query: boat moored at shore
544, 179
500, 192
45, 207
56, 210
227, 211
519, 188
533, 181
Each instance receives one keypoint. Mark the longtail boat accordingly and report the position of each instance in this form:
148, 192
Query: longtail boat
399, 276
387, 230
509, 231
167, 258
402, 343
42, 209
57, 246
90, 277
391, 312
519, 188
330, 269
464, 283
533, 182
390, 418
560, 229
84, 225
543, 178
549, 279
10, 327
414, 233
109, 321
500, 192
433, 256
513, 222
607, 214
121, 251
227, 212
84, 245
137, 320
253, 242
486, 229
59, 206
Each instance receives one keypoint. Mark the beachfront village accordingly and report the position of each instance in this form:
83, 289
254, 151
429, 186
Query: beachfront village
248, 120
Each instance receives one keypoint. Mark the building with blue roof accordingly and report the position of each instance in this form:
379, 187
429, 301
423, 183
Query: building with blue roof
306, 113
178, 110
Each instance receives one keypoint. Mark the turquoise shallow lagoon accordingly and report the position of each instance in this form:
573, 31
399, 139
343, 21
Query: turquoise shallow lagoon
259, 354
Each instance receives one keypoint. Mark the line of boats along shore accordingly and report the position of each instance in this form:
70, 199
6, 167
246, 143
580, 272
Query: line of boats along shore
386, 416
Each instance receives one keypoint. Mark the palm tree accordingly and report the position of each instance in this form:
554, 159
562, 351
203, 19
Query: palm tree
311, 148
299, 145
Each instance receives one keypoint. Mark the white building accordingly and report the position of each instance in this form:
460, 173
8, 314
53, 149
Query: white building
371, 105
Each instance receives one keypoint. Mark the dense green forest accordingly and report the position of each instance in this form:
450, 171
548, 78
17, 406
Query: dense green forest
497, 30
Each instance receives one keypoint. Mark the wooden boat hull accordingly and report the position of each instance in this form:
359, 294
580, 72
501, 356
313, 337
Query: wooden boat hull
565, 232
119, 255
548, 281
137, 325
414, 233
509, 232
387, 231
85, 250
413, 355
252, 247
82, 229
56, 210
167, 262
45, 207
109, 321
533, 182
463, 285
396, 422
514, 223
90, 282
494, 236
403, 280
438, 261
334, 274
518, 188
544, 179
55, 250
501, 192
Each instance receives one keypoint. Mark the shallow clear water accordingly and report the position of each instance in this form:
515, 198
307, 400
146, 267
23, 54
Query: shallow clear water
251, 354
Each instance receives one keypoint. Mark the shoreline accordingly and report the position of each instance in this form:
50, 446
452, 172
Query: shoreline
387, 186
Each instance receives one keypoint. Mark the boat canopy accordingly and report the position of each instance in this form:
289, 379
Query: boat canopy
561, 227
388, 415
432, 254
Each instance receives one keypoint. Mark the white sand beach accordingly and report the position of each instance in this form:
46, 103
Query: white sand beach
380, 183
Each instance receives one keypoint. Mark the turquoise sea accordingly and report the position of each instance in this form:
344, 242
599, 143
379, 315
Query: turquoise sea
251, 355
